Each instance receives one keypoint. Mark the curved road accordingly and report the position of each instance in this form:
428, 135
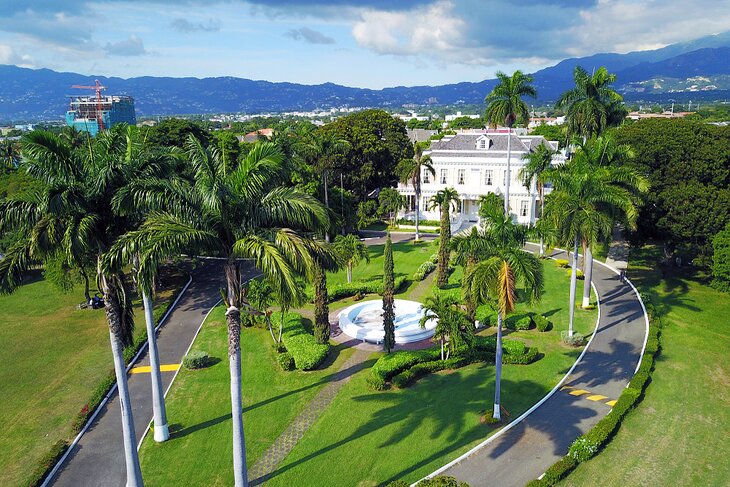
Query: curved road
526, 450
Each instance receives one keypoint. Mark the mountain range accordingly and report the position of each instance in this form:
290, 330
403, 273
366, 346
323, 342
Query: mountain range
694, 70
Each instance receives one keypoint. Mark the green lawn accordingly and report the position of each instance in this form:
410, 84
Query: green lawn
679, 433
199, 408
382, 435
53, 356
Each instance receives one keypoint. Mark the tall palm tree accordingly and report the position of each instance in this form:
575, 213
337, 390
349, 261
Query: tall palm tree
495, 279
506, 106
245, 213
412, 171
587, 199
453, 327
592, 105
538, 162
445, 199
351, 251
321, 149
468, 249
74, 215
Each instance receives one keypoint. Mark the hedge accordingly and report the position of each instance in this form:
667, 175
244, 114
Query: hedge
562, 263
578, 275
439, 481
592, 442
518, 322
286, 361
542, 323
391, 364
304, 349
195, 360
346, 290
424, 270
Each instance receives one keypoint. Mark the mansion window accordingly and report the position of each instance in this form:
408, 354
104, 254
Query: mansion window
444, 175
504, 177
461, 175
488, 175
524, 207
426, 176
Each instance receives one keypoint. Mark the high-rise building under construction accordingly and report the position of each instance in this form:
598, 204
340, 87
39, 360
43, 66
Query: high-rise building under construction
98, 112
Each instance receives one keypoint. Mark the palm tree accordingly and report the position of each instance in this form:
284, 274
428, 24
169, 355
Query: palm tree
587, 199
538, 162
469, 248
452, 326
245, 213
506, 106
592, 105
75, 215
322, 149
445, 199
351, 251
411, 171
496, 279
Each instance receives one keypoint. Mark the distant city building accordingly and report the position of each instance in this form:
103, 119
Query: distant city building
256, 135
537, 121
95, 113
667, 114
475, 163
451, 118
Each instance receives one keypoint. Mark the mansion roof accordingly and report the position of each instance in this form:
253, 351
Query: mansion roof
493, 142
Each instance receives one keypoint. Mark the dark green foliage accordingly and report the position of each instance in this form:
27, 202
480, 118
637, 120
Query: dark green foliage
345, 290
486, 315
377, 142
175, 131
304, 349
286, 361
424, 270
388, 297
195, 360
423, 223
559, 470
46, 464
442, 481
518, 322
527, 357
688, 166
321, 308
467, 123
389, 365
551, 132
513, 347
398, 483
390, 202
542, 323
721, 260
444, 253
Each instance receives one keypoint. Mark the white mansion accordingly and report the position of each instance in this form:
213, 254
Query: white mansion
475, 163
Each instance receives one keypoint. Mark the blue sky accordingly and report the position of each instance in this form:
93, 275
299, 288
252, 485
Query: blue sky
369, 43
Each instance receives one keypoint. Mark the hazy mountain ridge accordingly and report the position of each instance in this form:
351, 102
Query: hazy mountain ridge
27, 94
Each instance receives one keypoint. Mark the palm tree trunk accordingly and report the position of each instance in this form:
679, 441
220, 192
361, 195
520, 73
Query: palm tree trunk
588, 276
573, 279
159, 414
509, 155
496, 413
542, 211
442, 349
112, 309
134, 473
240, 473
533, 209
418, 197
326, 204
349, 272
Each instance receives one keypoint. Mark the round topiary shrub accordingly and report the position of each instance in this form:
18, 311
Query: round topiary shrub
541, 323
576, 340
195, 360
286, 361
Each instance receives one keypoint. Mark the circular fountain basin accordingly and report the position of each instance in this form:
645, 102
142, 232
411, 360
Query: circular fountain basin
364, 321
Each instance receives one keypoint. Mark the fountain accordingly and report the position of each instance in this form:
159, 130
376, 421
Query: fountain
364, 321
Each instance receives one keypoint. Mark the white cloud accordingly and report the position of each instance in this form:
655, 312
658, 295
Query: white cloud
8, 55
128, 47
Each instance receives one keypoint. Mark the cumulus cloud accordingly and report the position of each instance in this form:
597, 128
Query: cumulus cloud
186, 27
8, 55
128, 47
311, 36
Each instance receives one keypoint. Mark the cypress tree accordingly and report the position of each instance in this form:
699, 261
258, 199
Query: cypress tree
444, 252
388, 299
321, 308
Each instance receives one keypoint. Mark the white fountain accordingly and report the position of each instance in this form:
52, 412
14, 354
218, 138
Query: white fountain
364, 321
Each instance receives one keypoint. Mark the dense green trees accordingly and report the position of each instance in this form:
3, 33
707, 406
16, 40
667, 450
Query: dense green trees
688, 166
412, 171
721, 259
388, 297
377, 143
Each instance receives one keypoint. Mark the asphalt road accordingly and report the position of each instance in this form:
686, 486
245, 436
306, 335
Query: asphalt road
524, 452
98, 459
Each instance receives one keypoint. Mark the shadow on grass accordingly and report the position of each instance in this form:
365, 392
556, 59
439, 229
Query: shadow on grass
177, 430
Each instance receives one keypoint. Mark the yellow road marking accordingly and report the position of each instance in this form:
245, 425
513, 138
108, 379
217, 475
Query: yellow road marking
565, 387
611, 403
596, 397
578, 392
146, 369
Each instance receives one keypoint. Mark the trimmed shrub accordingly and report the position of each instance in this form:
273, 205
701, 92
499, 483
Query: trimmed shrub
434, 258
559, 470
375, 382
518, 322
441, 481
486, 344
286, 361
304, 349
398, 483
394, 363
576, 340
346, 290
583, 449
513, 347
562, 263
542, 323
195, 360
486, 316
424, 270
530, 355
579, 274
38, 475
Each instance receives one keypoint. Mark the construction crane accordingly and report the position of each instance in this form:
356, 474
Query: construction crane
98, 88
